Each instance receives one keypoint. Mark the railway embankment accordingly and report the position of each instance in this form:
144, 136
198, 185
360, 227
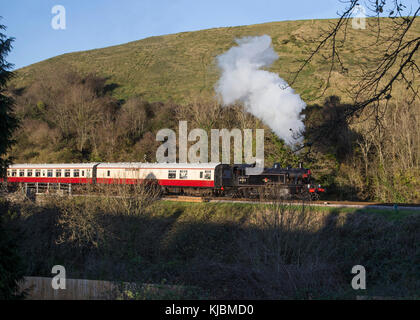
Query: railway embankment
224, 250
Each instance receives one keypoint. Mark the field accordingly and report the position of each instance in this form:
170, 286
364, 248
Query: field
221, 250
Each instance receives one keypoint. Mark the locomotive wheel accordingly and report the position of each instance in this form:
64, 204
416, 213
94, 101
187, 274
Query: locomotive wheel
314, 196
245, 193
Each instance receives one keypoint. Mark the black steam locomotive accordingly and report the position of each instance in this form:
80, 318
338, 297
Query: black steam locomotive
288, 183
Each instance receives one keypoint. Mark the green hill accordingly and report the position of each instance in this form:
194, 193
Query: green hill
70, 117
177, 66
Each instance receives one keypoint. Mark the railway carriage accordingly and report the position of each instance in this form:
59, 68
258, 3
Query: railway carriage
190, 178
77, 173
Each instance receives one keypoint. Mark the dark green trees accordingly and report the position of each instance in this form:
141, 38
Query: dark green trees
10, 263
8, 122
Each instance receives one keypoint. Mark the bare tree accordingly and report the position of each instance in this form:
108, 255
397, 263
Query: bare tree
133, 118
395, 43
201, 112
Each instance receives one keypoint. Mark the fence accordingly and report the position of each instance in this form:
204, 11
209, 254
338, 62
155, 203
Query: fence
39, 288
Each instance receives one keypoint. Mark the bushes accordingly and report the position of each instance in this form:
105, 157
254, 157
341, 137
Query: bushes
366, 158
225, 250
11, 264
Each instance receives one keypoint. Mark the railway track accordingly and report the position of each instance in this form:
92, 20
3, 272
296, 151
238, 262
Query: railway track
320, 203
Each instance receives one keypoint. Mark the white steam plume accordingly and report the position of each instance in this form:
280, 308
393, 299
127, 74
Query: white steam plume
264, 93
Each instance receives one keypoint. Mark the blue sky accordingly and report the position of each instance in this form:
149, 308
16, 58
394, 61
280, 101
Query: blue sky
94, 24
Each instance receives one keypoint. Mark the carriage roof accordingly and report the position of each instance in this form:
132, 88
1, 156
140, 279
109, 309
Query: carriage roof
141, 165
122, 165
53, 166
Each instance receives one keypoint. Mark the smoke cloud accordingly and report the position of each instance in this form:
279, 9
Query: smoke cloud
263, 93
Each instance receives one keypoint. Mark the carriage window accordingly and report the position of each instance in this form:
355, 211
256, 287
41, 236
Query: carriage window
67, 173
43, 173
21, 173
29, 173
207, 174
37, 173
14, 173
49, 173
172, 174
75, 173
183, 174
83, 173
58, 173
109, 173
201, 174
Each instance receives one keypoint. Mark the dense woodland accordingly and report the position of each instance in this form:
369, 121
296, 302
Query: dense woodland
67, 117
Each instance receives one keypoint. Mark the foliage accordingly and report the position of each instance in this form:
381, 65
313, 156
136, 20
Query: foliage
221, 250
8, 122
364, 159
11, 264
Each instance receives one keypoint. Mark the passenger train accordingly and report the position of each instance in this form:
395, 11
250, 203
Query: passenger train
212, 179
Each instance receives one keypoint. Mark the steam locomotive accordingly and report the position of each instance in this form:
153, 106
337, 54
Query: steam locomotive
205, 179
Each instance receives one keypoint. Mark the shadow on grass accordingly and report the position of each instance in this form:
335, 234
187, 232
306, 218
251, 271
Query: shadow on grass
277, 252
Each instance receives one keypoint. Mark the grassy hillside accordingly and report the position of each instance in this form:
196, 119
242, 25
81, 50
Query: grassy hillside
177, 66
69, 116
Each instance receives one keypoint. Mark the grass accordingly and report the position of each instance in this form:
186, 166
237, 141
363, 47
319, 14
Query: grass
239, 210
221, 250
178, 66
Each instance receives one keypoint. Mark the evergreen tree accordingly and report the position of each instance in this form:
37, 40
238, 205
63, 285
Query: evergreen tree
11, 271
8, 121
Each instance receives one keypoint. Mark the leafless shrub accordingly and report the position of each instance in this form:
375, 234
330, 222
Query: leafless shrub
131, 199
80, 224
281, 245
84, 221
